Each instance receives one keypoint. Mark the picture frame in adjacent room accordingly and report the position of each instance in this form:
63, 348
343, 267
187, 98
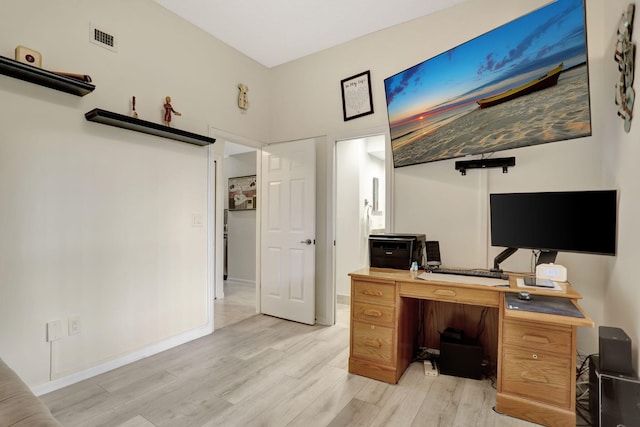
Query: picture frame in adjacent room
242, 193
356, 96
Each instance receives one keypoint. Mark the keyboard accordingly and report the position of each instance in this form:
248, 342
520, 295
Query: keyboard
474, 273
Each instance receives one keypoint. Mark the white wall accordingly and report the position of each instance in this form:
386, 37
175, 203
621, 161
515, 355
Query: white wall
241, 236
96, 220
434, 198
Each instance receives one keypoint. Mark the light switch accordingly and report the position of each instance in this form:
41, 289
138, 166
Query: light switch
196, 220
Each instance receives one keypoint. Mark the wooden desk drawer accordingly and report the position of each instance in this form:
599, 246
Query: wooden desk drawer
538, 376
373, 313
377, 293
372, 342
483, 297
540, 338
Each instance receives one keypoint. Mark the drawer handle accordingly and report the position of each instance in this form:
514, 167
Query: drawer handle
533, 377
445, 292
372, 293
536, 339
373, 313
372, 342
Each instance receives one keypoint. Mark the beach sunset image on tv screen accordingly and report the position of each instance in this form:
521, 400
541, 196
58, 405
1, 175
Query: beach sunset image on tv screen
524, 83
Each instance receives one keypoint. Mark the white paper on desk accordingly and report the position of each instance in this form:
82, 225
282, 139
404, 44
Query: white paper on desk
467, 280
520, 283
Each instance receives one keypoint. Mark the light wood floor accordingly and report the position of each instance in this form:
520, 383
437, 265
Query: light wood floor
264, 371
239, 303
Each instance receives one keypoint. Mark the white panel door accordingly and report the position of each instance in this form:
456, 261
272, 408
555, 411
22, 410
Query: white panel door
288, 231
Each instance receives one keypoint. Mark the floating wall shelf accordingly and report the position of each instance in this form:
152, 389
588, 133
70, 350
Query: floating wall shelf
131, 123
41, 77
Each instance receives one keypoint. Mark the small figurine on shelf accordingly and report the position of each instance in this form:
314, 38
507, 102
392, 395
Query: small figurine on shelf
168, 109
134, 114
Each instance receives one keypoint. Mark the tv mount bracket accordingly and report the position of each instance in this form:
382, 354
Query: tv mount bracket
503, 162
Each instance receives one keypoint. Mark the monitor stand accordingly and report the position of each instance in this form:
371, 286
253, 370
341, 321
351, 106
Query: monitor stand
501, 257
547, 257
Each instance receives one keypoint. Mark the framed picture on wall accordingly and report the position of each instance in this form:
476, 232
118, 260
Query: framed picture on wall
356, 96
242, 193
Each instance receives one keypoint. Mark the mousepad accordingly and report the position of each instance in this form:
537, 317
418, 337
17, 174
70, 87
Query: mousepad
543, 304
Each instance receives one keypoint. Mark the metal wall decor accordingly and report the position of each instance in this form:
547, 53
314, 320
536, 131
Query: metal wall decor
243, 98
625, 57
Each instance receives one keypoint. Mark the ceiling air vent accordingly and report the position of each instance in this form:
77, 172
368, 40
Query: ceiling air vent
103, 37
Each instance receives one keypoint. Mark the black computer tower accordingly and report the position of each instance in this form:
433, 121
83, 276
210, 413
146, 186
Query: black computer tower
460, 356
614, 399
396, 250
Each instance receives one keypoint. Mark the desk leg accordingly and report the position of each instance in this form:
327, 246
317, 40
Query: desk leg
407, 329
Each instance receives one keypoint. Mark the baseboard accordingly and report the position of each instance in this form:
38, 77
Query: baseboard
343, 299
241, 281
323, 321
124, 360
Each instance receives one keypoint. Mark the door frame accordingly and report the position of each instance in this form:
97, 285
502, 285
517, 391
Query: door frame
333, 139
216, 218
215, 287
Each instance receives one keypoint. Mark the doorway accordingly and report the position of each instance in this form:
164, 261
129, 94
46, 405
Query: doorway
360, 205
235, 300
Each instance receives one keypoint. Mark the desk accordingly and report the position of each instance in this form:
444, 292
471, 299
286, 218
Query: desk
535, 353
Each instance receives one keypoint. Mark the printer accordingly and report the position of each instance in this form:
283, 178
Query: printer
398, 251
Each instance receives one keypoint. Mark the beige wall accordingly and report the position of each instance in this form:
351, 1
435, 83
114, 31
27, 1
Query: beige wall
620, 154
96, 220
309, 98
453, 209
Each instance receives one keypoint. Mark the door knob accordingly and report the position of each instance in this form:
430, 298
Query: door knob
306, 242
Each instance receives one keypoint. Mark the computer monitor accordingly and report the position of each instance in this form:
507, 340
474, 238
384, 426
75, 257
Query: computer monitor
567, 221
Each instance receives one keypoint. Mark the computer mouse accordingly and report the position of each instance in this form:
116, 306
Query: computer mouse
525, 296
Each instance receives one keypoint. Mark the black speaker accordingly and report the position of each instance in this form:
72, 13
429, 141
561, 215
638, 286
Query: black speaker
433, 253
615, 351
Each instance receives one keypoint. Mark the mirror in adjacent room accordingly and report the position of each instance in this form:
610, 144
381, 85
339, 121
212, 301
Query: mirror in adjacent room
376, 194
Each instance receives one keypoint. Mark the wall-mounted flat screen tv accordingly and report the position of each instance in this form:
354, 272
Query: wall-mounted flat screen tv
521, 84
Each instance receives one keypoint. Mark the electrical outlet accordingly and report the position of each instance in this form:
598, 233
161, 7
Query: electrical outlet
54, 330
74, 325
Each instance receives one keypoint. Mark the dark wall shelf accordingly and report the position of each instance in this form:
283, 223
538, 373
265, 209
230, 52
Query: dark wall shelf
41, 77
119, 120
